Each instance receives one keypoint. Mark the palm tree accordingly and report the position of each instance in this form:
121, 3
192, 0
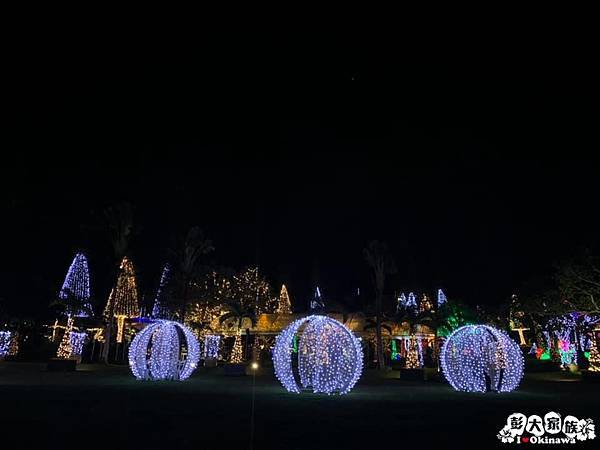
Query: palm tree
379, 259
186, 256
236, 311
119, 222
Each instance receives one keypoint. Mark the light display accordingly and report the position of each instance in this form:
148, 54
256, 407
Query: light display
317, 304
330, 357
236, 352
251, 289
425, 304
77, 287
164, 350
411, 302
5, 340
77, 340
594, 358
212, 344
160, 309
123, 298
65, 349
412, 356
480, 358
441, 298
401, 302
285, 305
13, 348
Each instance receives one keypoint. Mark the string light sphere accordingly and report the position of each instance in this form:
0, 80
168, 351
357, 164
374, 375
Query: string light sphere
164, 350
479, 358
330, 357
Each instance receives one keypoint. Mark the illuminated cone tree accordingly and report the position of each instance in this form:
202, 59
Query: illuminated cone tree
285, 305
65, 349
75, 291
123, 299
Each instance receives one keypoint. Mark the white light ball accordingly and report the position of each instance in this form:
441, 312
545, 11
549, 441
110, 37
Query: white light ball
478, 358
330, 357
164, 350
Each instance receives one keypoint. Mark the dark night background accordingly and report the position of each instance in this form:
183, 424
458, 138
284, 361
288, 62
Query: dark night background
474, 166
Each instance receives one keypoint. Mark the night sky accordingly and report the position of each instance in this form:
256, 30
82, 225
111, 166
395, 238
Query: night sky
476, 171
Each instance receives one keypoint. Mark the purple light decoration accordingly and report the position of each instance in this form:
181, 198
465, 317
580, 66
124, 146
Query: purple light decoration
5, 339
160, 309
77, 285
412, 301
441, 298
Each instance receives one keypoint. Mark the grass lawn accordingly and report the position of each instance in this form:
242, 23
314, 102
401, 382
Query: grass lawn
105, 405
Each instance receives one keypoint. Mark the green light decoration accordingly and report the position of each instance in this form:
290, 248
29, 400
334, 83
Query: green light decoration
545, 356
395, 354
587, 355
295, 346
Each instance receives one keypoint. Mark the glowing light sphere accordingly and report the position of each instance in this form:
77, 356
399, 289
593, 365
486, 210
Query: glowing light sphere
330, 357
479, 358
164, 350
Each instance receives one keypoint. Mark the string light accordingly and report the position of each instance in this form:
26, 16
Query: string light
160, 309
212, 344
236, 353
13, 349
123, 298
77, 340
65, 349
412, 356
77, 286
478, 358
441, 298
425, 304
5, 340
285, 305
164, 350
594, 357
411, 302
330, 357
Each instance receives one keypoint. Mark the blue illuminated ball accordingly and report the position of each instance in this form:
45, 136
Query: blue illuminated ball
164, 350
480, 358
330, 357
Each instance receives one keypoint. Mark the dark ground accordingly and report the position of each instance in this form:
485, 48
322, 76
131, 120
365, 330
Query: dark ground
105, 405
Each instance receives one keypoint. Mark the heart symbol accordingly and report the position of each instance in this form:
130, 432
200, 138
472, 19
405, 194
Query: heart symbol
525, 439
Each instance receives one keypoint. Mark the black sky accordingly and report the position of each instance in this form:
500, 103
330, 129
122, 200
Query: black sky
476, 168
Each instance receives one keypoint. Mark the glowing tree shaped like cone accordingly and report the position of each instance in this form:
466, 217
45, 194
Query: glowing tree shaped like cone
594, 358
442, 300
123, 299
236, 353
76, 287
285, 305
65, 348
412, 356
160, 308
164, 350
330, 357
479, 358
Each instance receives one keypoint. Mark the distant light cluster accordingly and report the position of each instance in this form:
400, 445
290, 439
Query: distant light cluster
480, 358
330, 357
164, 350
